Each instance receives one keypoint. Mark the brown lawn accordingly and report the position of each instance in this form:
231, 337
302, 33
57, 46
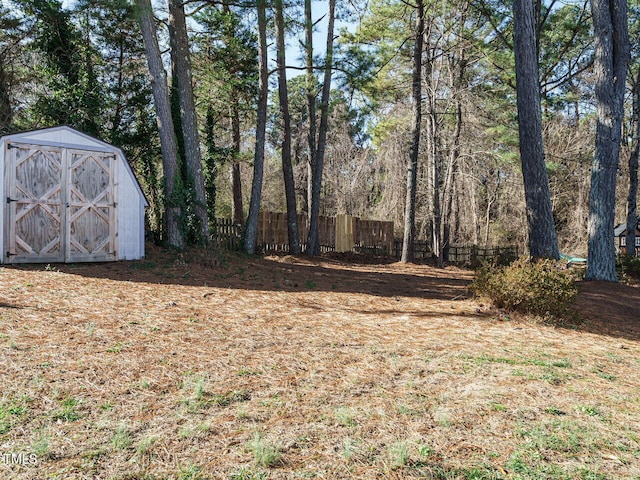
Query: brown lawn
189, 367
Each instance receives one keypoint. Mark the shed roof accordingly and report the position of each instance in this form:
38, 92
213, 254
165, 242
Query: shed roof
621, 228
68, 137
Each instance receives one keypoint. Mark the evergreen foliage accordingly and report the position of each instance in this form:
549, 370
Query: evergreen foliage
74, 96
540, 287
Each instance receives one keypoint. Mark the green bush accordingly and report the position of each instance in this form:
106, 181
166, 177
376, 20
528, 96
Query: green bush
628, 268
540, 288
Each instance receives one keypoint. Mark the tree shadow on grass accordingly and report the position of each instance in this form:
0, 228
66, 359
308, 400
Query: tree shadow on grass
611, 309
373, 276
608, 309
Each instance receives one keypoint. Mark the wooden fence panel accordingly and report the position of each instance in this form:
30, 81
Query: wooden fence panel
226, 234
421, 249
475, 256
344, 240
374, 234
327, 232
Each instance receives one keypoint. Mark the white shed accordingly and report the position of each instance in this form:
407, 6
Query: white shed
67, 197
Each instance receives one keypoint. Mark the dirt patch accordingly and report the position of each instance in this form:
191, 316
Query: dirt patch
205, 366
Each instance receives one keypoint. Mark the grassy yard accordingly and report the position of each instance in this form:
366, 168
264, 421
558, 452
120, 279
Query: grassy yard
181, 367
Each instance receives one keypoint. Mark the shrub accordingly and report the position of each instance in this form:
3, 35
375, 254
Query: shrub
539, 288
628, 268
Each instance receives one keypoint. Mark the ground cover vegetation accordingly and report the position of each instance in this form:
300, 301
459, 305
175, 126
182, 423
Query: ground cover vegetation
200, 367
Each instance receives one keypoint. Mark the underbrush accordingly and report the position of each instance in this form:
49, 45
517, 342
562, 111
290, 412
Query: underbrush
540, 288
628, 269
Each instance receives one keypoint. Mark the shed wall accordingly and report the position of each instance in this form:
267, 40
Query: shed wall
3, 200
130, 218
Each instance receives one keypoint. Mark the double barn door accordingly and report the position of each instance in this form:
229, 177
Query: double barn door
60, 205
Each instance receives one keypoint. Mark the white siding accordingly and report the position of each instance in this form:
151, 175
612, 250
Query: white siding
3, 202
130, 217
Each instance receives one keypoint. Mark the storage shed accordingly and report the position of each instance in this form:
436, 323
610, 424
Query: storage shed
67, 197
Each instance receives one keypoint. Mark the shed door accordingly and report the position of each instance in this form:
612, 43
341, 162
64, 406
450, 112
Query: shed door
91, 214
35, 213
61, 205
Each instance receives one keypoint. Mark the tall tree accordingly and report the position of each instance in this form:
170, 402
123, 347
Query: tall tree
74, 96
189, 125
542, 233
237, 210
311, 86
416, 121
225, 63
129, 120
632, 188
9, 40
166, 130
634, 80
251, 230
287, 169
611, 40
313, 240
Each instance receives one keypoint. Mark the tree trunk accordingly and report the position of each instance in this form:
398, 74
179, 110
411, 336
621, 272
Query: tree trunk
6, 111
188, 116
436, 183
211, 166
251, 230
116, 118
542, 234
237, 210
632, 192
611, 42
313, 243
449, 184
310, 81
163, 116
416, 121
287, 169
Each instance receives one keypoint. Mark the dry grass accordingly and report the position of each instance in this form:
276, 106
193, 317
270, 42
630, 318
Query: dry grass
195, 368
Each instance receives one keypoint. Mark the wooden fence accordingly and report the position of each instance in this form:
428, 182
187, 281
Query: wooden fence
226, 235
471, 255
475, 256
346, 233
362, 235
421, 249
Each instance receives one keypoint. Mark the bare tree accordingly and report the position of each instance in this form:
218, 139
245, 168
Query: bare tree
611, 42
165, 122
